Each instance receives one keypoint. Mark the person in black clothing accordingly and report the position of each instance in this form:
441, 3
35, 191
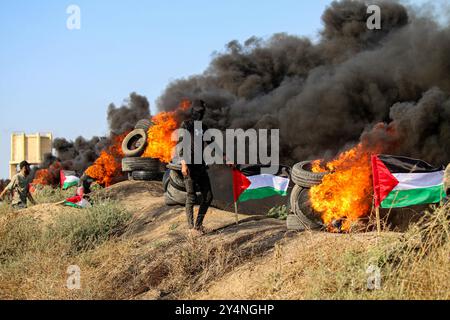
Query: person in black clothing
196, 173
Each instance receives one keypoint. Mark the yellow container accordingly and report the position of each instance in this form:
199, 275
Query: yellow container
30, 148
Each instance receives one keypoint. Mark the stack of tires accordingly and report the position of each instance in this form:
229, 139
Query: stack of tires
303, 217
174, 188
133, 147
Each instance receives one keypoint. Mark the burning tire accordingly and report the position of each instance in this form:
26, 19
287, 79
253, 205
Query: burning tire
140, 164
145, 175
134, 143
303, 176
301, 207
143, 124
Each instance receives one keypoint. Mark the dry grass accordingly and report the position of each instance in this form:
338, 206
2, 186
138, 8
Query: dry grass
34, 256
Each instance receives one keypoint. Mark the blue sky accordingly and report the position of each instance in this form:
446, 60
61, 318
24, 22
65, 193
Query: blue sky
61, 81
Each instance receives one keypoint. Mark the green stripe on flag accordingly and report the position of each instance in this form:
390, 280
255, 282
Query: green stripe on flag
413, 197
71, 184
70, 204
260, 193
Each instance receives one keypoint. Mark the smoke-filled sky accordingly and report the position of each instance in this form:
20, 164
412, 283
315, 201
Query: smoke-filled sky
53, 79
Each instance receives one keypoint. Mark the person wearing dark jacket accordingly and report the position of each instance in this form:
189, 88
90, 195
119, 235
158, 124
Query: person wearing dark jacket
196, 173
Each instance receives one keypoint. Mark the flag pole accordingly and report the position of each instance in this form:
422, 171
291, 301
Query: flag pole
375, 203
377, 212
236, 212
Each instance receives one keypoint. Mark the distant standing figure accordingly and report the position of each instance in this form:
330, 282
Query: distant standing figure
20, 187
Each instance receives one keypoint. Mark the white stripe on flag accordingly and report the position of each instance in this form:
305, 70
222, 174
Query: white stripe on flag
409, 181
71, 179
268, 180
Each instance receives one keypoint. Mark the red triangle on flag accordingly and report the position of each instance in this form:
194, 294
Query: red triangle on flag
383, 180
240, 184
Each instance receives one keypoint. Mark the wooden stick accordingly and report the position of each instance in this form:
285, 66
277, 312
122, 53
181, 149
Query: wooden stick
377, 211
236, 212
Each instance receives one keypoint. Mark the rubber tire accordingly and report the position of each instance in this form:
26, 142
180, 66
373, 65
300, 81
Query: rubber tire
144, 176
169, 201
166, 179
303, 177
177, 180
307, 222
175, 196
137, 135
293, 223
178, 197
144, 124
173, 166
140, 164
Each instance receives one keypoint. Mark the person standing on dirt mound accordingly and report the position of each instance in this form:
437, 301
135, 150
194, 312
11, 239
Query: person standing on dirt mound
196, 173
19, 185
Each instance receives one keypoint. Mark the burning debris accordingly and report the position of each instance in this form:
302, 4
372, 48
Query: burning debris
345, 194
108, 165
160, 145
49, 176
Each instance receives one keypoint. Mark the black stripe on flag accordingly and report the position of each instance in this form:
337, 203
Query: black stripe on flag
256, 169
397, 164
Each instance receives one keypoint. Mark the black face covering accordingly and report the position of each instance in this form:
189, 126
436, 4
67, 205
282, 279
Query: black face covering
197, 115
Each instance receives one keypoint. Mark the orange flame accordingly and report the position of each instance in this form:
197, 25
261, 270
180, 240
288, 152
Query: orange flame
48, 177
346, 193
160, 145
108, 165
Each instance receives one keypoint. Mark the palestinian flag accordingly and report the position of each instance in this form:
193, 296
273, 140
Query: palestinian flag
68, 179
77, 202
400, 182
252, 185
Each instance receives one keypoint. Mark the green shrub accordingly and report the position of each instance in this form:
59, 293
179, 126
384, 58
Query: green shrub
87, 228
280, 213
48, 194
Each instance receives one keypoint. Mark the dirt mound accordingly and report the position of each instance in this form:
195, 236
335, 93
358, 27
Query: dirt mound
282, 271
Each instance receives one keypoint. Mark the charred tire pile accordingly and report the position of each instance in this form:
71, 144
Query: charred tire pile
303, 216
174, 188
133, 147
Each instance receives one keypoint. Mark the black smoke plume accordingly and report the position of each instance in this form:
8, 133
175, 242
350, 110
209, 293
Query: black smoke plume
324, 95
78, 155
